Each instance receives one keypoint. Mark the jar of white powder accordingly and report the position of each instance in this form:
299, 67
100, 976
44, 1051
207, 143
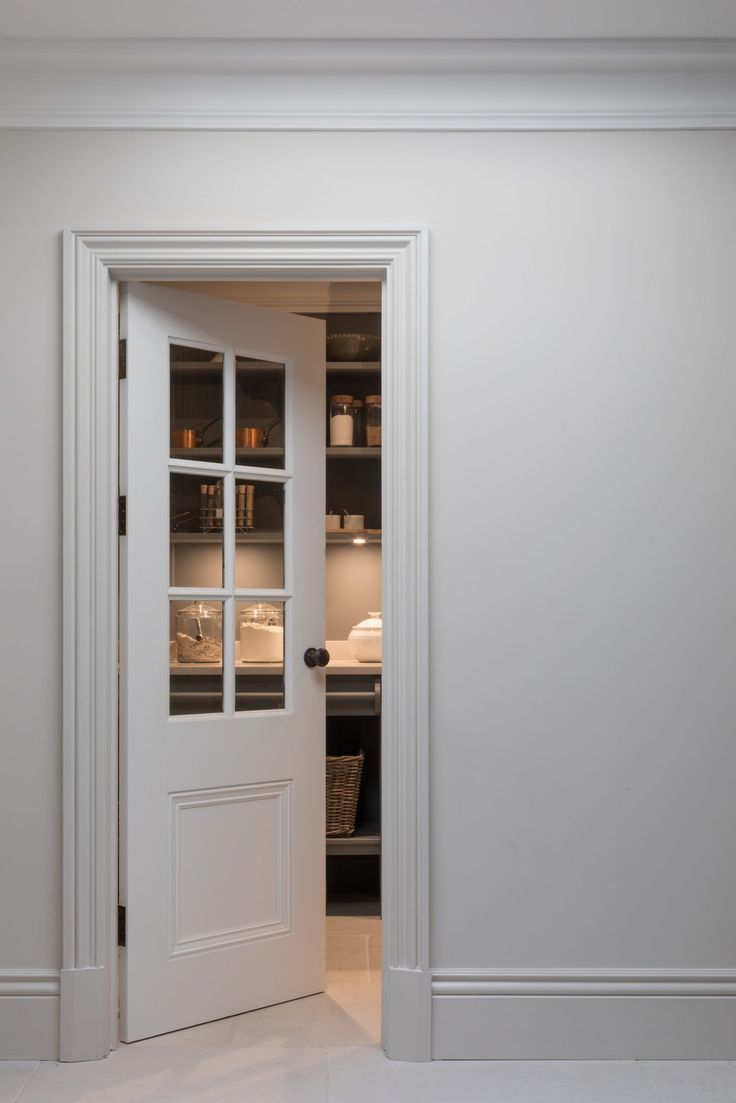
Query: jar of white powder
342, 419
261, 633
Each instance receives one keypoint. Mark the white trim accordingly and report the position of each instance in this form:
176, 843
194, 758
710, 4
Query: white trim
582, 982
383, 85
29, 982
93, 262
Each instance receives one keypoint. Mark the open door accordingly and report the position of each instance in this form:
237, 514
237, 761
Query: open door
222, 721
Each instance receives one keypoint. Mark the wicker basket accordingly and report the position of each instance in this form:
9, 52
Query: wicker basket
343, 786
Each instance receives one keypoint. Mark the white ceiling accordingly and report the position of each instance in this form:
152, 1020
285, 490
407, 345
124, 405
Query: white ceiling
248, 19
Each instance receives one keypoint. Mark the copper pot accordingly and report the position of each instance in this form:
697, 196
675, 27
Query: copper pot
185, 438
251, 436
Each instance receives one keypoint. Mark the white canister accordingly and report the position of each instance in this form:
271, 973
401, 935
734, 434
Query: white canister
354, 522
332, 522
365, 639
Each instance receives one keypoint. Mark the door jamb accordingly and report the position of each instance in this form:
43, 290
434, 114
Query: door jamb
94, 263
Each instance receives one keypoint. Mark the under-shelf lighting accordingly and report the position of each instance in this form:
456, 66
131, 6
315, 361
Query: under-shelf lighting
359, 539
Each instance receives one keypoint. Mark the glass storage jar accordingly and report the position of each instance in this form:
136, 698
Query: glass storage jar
342, 419
358, 422
199, 633
261, 633
373, 420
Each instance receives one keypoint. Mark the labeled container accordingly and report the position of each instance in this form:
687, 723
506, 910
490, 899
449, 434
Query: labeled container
373, 420
365, 639
261, 633
199, 633
342, 420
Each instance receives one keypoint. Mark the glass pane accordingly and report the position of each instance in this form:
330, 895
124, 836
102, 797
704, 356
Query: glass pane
259, 412
195, 657
259, 655
195, 404
259, 535
195, 527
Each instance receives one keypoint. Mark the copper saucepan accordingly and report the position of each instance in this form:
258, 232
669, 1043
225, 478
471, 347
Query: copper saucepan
254, 436
250, 436
184, 438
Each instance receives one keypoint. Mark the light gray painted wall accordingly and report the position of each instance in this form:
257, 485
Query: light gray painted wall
583, 531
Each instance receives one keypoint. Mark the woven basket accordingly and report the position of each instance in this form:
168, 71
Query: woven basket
343, 786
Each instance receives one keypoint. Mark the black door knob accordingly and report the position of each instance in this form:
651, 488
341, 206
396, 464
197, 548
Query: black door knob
316, 656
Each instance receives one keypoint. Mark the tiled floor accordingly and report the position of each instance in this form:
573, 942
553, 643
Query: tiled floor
324, 1049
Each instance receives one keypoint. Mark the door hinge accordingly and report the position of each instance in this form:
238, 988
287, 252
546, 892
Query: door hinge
121, 925
122, 358
122, 515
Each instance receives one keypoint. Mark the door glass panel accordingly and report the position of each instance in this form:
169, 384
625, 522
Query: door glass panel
195, 404
196, 530
259, 655
259, 535
259, 412
195, 657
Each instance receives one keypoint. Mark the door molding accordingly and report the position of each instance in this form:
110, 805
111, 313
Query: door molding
93, 265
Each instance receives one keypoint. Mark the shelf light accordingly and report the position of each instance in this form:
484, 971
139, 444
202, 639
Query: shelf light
359, 539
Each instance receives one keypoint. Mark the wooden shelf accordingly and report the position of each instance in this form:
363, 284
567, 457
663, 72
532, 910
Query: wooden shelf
242, 455
343, 536
365, 842
353, 367
348, 452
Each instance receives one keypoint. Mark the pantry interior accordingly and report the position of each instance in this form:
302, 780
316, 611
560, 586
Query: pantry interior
353, 531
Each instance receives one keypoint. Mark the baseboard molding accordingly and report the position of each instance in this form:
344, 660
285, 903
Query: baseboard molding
84, 999
409, 1013
29, 1015
584, 1015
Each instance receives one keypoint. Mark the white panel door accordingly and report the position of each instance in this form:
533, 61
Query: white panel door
222, 723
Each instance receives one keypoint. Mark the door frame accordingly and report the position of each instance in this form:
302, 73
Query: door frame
94, 264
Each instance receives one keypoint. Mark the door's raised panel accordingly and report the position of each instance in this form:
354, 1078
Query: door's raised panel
230, 865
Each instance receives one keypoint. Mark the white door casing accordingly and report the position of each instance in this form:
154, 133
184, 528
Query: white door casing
94, 262
221, 813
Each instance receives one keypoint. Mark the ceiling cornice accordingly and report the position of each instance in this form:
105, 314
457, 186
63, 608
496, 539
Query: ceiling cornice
368, 84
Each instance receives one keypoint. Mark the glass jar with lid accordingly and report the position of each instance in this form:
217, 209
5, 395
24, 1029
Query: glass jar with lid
261, 629
358, 422
373, 420
342, 419
199, 633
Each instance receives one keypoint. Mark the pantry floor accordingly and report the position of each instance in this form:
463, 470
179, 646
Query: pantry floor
324, 1049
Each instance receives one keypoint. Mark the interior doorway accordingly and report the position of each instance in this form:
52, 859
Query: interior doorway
274, 418
95, 265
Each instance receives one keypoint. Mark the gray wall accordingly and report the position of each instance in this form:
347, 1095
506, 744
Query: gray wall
583, 533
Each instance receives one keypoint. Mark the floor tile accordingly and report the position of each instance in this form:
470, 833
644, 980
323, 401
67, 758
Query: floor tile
219, 1033
348, 954
13, 1077
366, 1076
340, 1017
135, 1074
692, 1081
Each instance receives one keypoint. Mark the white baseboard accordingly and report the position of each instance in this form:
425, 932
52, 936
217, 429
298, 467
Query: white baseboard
29, 1015
408, 1010
581, 1015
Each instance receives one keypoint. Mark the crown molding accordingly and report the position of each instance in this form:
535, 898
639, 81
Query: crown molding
368, 84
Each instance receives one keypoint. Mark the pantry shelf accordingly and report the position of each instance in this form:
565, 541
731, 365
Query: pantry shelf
348, 452
344, 536
242, 455
353, 367
365, 841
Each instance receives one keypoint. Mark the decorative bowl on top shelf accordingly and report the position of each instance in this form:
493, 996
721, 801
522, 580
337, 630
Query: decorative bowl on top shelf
353, 346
